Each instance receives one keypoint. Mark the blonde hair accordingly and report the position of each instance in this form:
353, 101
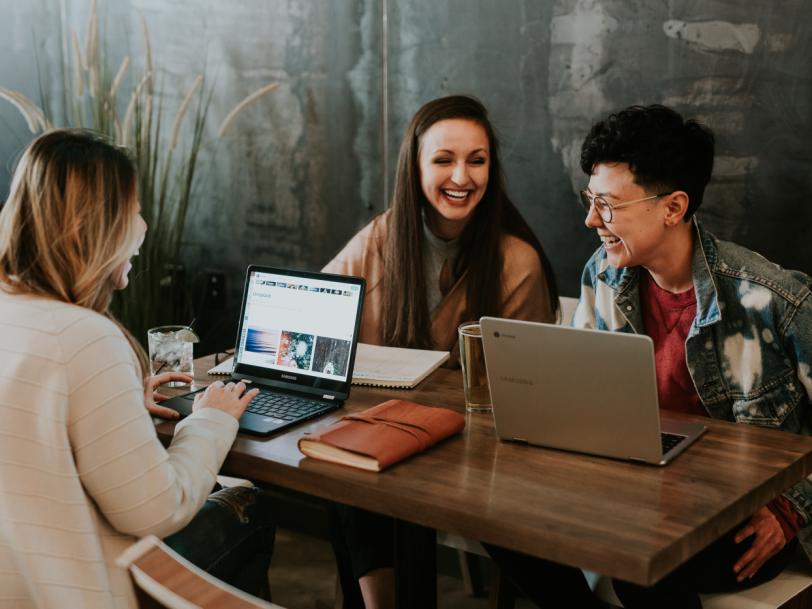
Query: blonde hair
68, 224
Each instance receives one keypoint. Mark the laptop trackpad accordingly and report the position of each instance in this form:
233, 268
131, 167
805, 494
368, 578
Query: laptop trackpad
182, 403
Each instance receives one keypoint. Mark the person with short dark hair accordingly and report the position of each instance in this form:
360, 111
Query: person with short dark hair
732, 337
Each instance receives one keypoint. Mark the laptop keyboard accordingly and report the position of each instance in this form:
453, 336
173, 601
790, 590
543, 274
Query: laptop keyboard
670, 440
284, 407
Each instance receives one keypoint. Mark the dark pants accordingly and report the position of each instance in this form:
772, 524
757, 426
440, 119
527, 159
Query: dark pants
547, 584
365, 540
709, 571
550, 585
231, 537
362, 542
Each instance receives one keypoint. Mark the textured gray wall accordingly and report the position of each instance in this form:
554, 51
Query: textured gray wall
303, 169
547, 70
286, 185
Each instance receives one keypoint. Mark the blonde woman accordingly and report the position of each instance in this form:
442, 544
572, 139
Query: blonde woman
81, 469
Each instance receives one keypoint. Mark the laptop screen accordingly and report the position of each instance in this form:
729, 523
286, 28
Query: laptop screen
299, 328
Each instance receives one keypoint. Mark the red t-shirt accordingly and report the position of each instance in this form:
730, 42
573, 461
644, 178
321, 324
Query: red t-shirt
667, 319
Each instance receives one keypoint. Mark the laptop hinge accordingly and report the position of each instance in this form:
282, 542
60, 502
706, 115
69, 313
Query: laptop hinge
328, 397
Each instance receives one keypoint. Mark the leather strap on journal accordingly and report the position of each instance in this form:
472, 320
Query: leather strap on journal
423, 438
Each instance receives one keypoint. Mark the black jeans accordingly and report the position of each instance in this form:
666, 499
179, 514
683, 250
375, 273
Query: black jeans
362, 542
550, 585
231, 537
709, 571
365, 540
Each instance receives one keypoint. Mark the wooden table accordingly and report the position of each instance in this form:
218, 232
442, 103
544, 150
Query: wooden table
630, 521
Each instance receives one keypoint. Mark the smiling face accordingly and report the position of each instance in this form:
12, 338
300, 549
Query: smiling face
454, 160
636, 236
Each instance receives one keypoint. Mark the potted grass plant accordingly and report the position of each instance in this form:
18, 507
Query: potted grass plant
129, 108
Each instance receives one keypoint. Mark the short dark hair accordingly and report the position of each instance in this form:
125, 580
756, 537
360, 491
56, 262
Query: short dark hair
664, 151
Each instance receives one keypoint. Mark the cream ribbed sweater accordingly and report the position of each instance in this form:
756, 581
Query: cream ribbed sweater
81, 469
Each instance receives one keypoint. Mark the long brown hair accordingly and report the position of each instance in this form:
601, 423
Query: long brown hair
406, 318
67, 225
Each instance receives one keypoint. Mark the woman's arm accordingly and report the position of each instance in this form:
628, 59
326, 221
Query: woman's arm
140, 487
361, 256
525, 291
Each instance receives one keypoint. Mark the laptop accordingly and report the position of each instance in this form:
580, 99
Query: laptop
588, 391
296, 342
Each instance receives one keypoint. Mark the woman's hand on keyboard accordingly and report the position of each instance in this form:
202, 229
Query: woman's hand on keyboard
230, 397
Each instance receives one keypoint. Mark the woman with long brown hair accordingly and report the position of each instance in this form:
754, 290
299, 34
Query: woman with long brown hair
82, 471
451, 248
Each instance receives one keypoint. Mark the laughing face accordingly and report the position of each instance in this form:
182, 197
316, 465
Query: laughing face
454, 161
636, 236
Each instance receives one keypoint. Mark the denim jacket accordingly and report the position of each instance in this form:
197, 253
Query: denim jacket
749, 350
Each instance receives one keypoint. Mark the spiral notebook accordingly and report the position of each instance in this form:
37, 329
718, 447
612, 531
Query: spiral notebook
382, 366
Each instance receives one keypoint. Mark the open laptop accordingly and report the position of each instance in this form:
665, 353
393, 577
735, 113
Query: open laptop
588, 391
296, 341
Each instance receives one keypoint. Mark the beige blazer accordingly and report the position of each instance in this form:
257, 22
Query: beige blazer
524, 287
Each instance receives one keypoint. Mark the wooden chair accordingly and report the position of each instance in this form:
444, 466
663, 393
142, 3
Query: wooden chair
165, 580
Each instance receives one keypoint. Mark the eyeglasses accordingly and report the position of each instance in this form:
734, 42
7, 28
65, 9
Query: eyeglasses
604, 208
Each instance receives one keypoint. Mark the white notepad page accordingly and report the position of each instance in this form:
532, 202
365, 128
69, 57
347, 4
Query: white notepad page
381, 366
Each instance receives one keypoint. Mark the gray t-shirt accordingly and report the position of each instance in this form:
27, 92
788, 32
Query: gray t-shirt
436, 252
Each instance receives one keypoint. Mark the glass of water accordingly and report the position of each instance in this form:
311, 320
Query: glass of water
171, 350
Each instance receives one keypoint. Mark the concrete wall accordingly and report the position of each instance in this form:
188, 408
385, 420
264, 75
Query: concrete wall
304, 168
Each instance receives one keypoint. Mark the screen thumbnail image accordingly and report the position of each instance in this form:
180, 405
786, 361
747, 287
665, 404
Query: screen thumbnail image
262, 341
295, 350
331, 356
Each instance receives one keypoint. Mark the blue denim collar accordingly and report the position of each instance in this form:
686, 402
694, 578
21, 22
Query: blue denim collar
702, 267
624, 281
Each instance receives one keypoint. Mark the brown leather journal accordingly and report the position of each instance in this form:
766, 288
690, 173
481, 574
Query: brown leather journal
382, 435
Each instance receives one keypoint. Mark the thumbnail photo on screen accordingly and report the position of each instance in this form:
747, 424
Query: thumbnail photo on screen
262, 341
332, 355
295, 350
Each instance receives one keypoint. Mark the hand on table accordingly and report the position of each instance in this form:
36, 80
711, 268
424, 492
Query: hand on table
769, 540
152, 396
230, 398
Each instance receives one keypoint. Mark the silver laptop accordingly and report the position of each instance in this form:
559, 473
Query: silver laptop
588, 391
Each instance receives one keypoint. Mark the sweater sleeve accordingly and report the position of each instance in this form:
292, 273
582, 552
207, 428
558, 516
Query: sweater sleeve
138, 486
356, 257
788, 518
524, 292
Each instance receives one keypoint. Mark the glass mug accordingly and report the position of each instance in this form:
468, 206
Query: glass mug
474, 373
171, 350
